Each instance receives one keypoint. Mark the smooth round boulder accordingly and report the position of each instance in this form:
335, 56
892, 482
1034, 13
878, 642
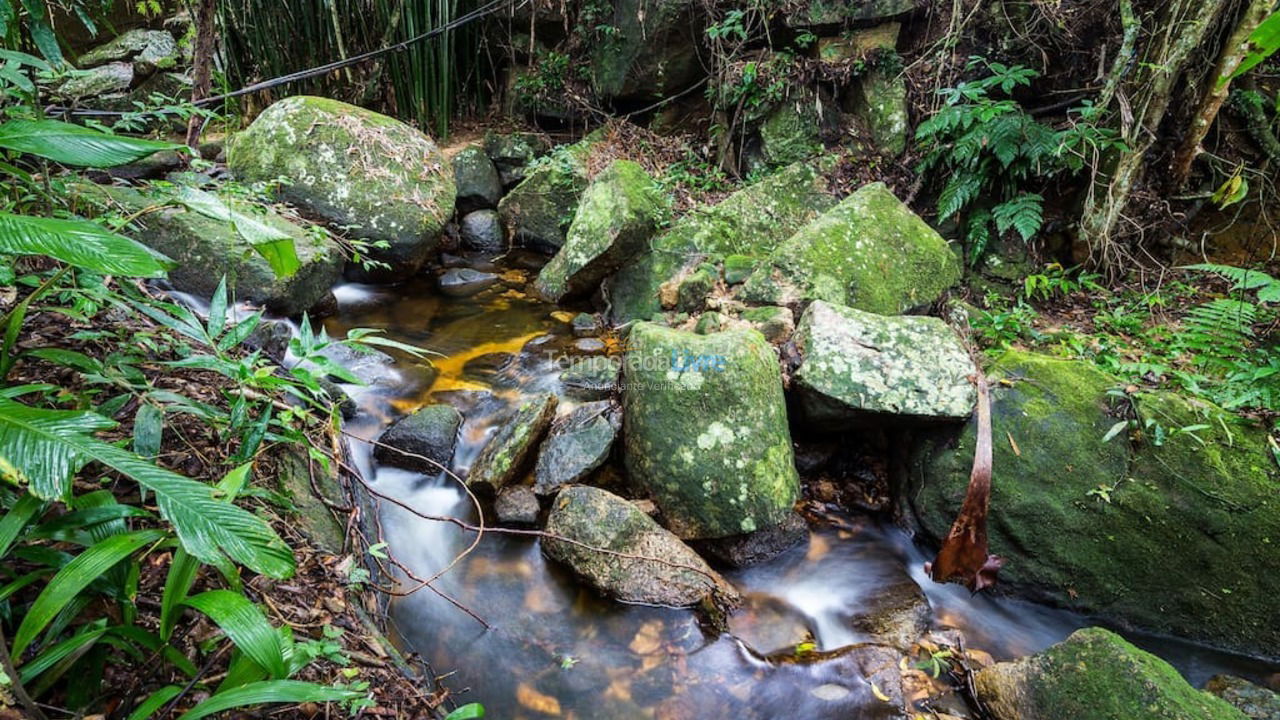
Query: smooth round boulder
482, 231
476, 179
422, 442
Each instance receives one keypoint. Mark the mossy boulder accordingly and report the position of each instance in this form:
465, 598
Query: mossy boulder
576, 445
1095, 675
112, 78
790, 132
508, 453
812, 13
880, 103
1171, 527
774, 322
596, 518
149, 50
617, 215
750, 223
207, 249
651, 51
476, 179
512, 152
538, 211
858, 365
706, 430
422, 441
870, 252
379, 177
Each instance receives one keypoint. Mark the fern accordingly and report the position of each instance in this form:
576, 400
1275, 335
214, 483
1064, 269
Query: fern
1024, 214
1221, 328
1245, 279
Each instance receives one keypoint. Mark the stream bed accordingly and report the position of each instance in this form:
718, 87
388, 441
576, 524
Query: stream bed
557, 649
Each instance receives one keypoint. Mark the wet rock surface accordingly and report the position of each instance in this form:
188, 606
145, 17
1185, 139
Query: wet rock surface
509, 451
741, 551
516, 505
482, 231
592, 378
476, 178
465, 281
577, 444
422, 441
1255, 701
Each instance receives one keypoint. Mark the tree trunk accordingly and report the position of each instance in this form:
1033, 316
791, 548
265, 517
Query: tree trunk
1182, 29
202, 64
1228, 60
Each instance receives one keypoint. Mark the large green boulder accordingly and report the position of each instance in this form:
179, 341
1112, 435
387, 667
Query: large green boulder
749, 223
617, 214
538, 211
870, 252
587, 517
378, 177
1169, 523
650, 51
858, 365
207, 249
706, 430
1094, 675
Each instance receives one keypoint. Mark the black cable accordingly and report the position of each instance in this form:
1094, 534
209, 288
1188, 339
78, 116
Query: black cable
476, 14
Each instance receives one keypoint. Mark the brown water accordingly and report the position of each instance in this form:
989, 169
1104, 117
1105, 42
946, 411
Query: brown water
556, 649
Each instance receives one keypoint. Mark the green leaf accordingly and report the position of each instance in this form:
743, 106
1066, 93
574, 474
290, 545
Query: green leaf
75, 577
154, 702
27, 507
148, 430
79, 242
269, 691
275, 246
247, 627
76, 144
218, 309
470, 711
1264, 41
182, 575
56, 443
41, 32
56, 652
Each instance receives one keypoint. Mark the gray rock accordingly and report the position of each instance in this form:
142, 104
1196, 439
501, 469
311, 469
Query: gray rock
675, 576
588, 345
482, 231
739, 551
576, 445
488, 364
150, 50
516, 505
585, 325
114, 77
476, 179
897, 613
431, 432
509, 451
592, 378
272, 338
511, 152
856, 364
768, 625
463, 282
377, 369
1254, 701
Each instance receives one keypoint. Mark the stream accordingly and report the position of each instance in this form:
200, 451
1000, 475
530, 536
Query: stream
556, 649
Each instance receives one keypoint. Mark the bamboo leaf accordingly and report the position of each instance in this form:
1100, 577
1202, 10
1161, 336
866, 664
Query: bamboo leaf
269, 691
79, 242
27, 507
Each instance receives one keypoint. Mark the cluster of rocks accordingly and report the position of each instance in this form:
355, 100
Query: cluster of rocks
129, 70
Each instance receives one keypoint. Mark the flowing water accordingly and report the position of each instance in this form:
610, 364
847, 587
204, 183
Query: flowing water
555, 649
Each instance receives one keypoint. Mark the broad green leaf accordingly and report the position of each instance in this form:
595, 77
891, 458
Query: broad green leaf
218, 309
182, 575
275, 246
148, 430
42, 33
81, 243
75, 577
154, 702
247, 627
56, 652
269, 691
76, 144
1264, 42
55, 443
470, 711
27, 507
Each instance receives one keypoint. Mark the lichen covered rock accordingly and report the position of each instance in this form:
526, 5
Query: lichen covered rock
383, 179
509, 451
149, 50
207, 249
858, 365
617, 214
870, 252
1094, 675
676, 577
116, 77
881, 105
750, 223
706, 430
476, 179
1168, 529
1255, 701
651, 53
789, 132
538, 211
591, 378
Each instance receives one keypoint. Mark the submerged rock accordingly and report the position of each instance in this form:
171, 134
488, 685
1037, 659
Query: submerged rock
750, 223
356, 168
1094, 675
675, 577
857, 364
207, 249
617, 214
870, 252
463, 282
516, 505
1169, 529
592, 378
1257, 703
706, 430
476, 179
508, 452
482, 231
896, 613
430, 432
576, 445
537, 212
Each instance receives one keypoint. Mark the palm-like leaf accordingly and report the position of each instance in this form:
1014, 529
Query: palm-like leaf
269, 691
75, 144
247, 627
81, 243
50, 445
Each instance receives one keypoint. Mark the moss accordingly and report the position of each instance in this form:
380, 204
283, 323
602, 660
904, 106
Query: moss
617, 214
706, 430
352, 167
694, 289
882, 108
790, 131
870, 252
539, 210
650, 50
738, 268
1096, 675
509, 451
749, 223
300, 481
1177, 538
835, 12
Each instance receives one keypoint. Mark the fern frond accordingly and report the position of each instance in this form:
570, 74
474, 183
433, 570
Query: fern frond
1244, 278
1221, 328
1023, 213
